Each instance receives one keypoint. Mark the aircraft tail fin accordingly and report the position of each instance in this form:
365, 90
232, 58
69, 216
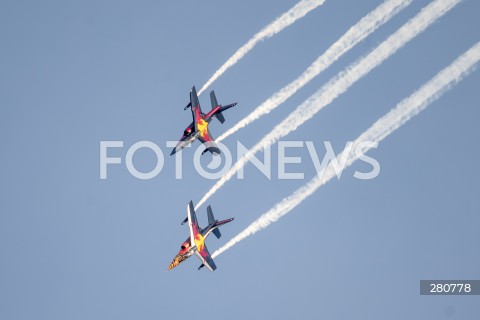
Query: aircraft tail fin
211, 219
216, 231
213, 100
219, 223
228, 106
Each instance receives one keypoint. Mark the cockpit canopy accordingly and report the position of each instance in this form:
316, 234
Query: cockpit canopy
185, 246
187, 131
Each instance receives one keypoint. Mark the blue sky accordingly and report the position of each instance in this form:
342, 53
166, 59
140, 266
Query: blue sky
75, 247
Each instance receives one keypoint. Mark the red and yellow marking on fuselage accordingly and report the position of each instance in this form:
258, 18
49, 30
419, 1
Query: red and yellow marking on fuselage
202, 126
199, 242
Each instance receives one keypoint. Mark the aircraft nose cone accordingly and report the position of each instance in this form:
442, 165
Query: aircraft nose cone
176, 261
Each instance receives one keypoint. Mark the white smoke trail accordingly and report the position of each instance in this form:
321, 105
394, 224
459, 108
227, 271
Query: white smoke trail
352, 37
386, 125
340, 83
296, 12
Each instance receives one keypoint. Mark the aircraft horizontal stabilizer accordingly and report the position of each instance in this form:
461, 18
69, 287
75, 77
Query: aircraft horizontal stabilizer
217, 233
214, 103
211, 219
213, 150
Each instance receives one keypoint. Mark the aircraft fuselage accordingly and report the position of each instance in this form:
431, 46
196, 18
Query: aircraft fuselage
187, 250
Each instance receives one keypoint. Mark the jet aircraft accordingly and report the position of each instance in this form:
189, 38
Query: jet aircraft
195, 243
198, 129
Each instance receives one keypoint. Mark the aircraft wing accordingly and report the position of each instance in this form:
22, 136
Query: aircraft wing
193, 224
197, 239
195, 107
208, 141
206, 258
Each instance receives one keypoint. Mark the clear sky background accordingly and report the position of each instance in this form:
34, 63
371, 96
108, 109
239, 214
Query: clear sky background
73, 246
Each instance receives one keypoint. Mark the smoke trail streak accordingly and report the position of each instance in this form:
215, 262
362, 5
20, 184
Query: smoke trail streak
340, 83
352, 37
402, 113
296, 12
